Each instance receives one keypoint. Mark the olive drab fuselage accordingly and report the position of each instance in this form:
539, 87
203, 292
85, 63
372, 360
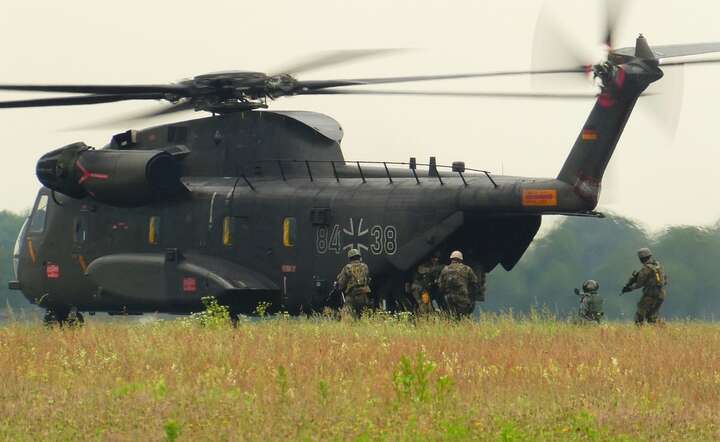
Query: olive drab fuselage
267, 209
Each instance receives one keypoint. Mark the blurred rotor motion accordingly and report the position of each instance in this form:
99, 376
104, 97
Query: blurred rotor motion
234, 91
555, 47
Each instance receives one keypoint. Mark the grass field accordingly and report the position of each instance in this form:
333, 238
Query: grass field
500, 379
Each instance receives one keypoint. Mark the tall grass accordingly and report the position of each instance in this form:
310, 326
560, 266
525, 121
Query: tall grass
500, 379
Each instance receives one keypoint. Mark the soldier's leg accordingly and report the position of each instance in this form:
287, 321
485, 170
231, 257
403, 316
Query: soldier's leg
352, 306
652, 315
439, 299
467, 307
452, 307
643, 307
459, 306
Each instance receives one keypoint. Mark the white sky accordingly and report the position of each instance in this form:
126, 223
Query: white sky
91, 42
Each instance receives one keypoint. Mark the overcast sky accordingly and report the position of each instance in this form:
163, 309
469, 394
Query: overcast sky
653, 180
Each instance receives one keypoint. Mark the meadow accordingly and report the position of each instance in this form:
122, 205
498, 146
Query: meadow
502, 378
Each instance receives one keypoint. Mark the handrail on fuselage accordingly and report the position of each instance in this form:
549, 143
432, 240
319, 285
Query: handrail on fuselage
385, 164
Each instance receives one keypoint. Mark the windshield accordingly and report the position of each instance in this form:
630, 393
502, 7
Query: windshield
16, 250
37, 225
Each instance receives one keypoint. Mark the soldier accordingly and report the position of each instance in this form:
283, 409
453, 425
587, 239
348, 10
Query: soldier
652, 279
354, 281
458, 284
424, 285
591, 303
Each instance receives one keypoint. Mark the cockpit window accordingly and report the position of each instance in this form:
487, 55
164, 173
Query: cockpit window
37, 222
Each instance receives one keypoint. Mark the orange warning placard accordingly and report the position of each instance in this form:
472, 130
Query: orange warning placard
589, 135
539, 197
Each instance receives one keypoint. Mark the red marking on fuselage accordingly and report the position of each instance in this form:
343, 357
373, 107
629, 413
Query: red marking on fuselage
86, 174
189, 284
605, 100
52, 270
620, 78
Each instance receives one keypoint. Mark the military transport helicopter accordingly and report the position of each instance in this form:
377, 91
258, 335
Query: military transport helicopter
252, 206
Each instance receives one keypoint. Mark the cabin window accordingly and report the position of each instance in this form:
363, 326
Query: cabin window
154, 230
289, 232
37, 223
227, 232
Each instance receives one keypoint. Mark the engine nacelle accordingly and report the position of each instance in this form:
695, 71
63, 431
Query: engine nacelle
124, 178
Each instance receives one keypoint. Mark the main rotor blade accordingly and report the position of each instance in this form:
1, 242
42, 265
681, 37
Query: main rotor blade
322, 84
78, 100
99, 89
332, 58
167, 110
664, 62
579, 95
670, 51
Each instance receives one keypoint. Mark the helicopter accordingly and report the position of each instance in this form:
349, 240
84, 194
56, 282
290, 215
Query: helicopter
255, 206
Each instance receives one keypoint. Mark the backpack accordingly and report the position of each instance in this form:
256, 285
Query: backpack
358, 276
659, 278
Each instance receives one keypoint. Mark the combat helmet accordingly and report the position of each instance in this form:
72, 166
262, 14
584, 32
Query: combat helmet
590, 286
644, 253
457, 254
353, 253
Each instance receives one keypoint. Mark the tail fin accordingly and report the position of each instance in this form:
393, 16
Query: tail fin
623, 84
589, 157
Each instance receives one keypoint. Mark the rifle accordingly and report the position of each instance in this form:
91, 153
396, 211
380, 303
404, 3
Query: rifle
628, 285
336, 298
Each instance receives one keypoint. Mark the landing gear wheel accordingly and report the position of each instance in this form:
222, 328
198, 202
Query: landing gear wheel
50, 319
74, 318
63, 316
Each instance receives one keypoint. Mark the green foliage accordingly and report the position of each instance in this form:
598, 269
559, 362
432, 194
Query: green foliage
324, 391
604, 250
262, 308
412, 380
281, 379
214, 315
172, 430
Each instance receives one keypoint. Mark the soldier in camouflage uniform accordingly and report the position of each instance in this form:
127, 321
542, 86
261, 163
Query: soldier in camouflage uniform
458, 283
652, 279
424, 286
591, 303
354, 281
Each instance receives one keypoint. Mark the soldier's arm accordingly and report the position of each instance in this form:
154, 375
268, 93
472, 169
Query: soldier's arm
367, 272
441, 280
474, 280
342, 278
642, 278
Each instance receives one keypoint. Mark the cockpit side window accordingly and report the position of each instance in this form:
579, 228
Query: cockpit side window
39, 215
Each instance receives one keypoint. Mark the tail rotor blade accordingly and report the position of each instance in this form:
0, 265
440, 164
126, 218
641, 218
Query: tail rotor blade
553, 46
614, 10
665, 104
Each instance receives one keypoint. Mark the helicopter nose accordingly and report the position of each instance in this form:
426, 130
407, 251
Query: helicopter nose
55, 170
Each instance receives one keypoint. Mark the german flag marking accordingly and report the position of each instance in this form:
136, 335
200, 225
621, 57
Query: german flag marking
539, 198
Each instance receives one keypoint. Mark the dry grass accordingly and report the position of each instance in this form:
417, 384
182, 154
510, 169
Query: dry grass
501, 379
